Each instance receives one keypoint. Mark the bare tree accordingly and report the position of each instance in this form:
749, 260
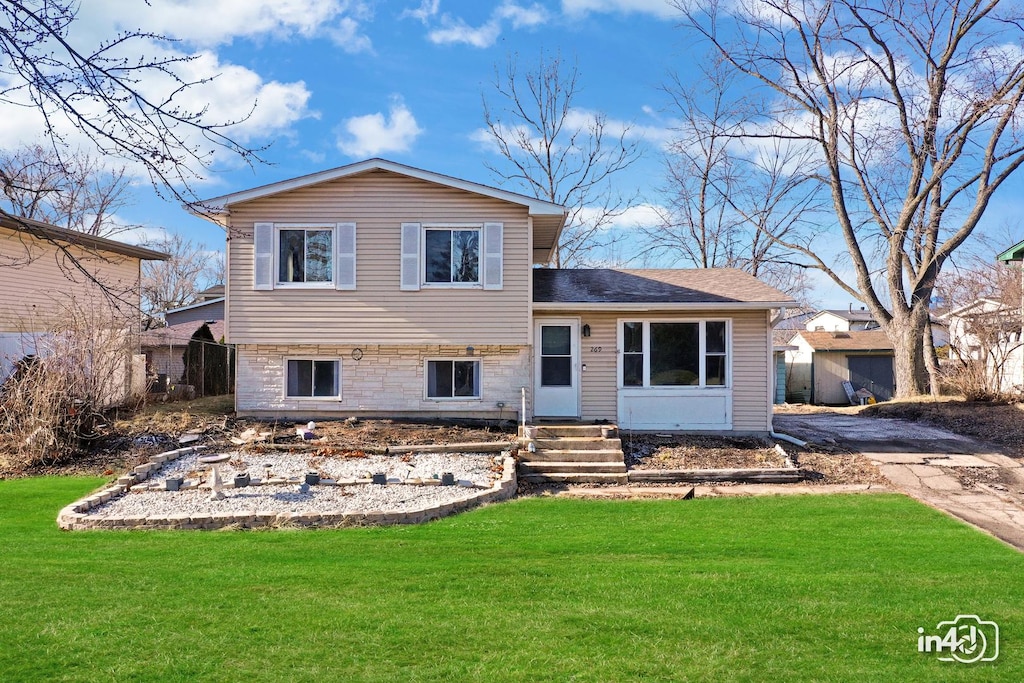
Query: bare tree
75, 191
913, 111
177, 281
731, 204
558, 153
97, 91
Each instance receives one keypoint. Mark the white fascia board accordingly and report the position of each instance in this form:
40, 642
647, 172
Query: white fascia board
701, 306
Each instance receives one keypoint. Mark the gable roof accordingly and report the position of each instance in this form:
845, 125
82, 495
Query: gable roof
857, 340
46, 231
664, 288
980, 302
549, 218
1014, 253
198, 304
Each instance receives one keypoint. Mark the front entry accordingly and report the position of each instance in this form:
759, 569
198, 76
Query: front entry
556, 370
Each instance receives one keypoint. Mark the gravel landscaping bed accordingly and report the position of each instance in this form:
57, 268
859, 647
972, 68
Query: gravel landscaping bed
478, 468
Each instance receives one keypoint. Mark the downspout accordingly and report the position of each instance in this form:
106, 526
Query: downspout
772, 322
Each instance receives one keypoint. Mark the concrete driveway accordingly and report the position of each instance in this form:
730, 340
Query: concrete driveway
963, 477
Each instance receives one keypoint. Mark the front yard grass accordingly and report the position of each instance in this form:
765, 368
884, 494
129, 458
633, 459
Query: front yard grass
782, 588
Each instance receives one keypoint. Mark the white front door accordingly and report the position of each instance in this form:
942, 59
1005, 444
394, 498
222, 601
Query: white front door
556, 373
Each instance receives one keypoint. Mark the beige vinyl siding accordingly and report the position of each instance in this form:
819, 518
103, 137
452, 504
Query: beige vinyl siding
750, 367
751, 373
39, 282
377, 311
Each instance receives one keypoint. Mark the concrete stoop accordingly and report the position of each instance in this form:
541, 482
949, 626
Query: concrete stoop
571, 454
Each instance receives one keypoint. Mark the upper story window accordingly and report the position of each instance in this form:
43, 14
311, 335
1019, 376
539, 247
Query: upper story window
438, 255
304, 255
315, 255
452, 256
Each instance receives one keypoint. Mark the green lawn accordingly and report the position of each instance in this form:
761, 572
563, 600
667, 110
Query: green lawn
808, 588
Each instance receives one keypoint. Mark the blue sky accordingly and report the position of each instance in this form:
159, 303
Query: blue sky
338, 81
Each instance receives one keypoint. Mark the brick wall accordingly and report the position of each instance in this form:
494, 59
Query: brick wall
386, 380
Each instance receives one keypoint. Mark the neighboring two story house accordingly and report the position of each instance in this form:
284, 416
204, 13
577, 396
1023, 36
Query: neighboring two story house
381, 289
62, 282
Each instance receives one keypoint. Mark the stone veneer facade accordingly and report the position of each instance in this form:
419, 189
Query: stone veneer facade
385, 380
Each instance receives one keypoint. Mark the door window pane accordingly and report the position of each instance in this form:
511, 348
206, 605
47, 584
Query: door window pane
556, 371
675, 354
556, 340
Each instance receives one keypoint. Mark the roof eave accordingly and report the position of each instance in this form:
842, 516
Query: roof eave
1014, 253
660, 306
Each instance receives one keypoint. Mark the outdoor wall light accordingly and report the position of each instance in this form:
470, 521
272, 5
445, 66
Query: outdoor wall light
586, 330
470, 350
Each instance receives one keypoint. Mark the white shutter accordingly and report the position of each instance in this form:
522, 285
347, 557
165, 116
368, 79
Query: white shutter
410, 257
493, 261
263, 256
345, 256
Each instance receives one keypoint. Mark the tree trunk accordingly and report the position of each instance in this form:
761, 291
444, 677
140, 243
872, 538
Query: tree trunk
906, 332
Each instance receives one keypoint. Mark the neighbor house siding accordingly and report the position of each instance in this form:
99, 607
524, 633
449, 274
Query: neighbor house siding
377, 311
39, 282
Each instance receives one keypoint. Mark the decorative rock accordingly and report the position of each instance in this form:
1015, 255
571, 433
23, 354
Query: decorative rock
379, 478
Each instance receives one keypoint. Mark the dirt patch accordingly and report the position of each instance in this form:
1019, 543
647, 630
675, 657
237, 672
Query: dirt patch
997, 423
653, 452
128, 440
672, 452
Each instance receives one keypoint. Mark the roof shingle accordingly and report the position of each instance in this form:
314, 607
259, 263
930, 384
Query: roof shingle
654, 286
856, 340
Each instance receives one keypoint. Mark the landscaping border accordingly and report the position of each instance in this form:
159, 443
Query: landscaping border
75, 517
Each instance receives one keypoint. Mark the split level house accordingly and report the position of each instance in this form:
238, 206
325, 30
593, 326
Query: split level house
72, 296
381, 289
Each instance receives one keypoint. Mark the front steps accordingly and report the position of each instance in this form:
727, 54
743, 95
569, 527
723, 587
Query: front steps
571, 454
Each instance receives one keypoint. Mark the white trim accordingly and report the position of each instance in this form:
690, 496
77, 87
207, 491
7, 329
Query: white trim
454, 359
450, 227
208, 302
284, 384
575, 322
537, 207
640, 307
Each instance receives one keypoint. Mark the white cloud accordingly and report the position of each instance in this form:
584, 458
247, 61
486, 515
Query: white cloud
454, 30
662, 9
208, 23
374, 134
427, 10
641, 215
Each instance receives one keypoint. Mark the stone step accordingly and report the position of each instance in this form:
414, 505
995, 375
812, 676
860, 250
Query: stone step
534, 467
575, 478
548, 431
583, 443
561, 455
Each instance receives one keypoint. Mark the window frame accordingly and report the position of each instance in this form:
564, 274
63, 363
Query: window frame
452, 227
703, 354
313, 359
306, 227
478, 361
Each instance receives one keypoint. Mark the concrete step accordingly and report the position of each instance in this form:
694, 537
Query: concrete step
562, 455
583, 443
576, 478
534, 467
548, 431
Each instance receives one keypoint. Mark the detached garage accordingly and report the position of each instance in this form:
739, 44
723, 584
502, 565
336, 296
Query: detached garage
822, 361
